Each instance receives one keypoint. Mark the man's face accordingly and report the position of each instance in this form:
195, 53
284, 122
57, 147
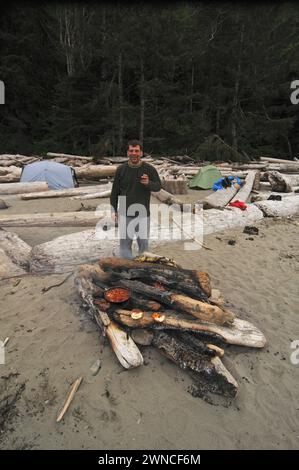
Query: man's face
134, 153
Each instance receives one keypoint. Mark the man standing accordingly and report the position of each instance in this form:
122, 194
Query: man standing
132, 186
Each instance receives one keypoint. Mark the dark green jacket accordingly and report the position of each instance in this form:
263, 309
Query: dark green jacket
127, 183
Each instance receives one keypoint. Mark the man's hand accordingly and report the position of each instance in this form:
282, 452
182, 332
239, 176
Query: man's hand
144, 179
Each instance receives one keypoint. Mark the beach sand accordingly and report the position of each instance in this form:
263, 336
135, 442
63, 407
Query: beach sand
52, 342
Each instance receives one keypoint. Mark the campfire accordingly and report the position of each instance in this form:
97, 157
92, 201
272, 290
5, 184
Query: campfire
151, 300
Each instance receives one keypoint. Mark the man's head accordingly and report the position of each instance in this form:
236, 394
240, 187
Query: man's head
134, 151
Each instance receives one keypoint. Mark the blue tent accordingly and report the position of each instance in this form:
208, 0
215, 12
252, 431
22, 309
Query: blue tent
57, 175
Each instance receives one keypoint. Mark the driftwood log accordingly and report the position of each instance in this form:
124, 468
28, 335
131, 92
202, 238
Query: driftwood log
287, 207
167, 198
92, 172
14, 255
65, 192
201, 310
52, 219
244, 193
18, 188
193, 282
3, 205
123, 346
240, 333
279, 182
175, 186
210, 370
219, 198
197, 357
65, 253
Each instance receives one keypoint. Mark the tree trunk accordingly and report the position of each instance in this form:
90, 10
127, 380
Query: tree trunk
191, 88
120, 97
142, 102
236, 94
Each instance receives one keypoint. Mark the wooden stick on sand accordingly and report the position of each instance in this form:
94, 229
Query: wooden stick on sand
69, 399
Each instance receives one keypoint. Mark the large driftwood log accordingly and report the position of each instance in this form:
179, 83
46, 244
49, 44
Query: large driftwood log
12, 176
263, 196
219, 198
175, 186
276, 160
257, 181
66, 192
279, 182
211, 371
99, 194
52, 219
14, 255
167, 198
64, 253
18, 188
215, 220
92, 172
204, 311
244, 193
287, 207
240, 333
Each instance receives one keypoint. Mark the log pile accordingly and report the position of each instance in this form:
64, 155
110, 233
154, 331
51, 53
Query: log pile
180, 167
168, 307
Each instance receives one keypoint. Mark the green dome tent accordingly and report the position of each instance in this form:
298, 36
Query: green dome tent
205, 178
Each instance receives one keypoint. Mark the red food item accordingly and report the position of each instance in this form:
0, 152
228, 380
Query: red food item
117, 294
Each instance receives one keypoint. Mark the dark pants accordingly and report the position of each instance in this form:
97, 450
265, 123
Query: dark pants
128, 227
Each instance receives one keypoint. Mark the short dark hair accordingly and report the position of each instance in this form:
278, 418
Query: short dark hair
134, 143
